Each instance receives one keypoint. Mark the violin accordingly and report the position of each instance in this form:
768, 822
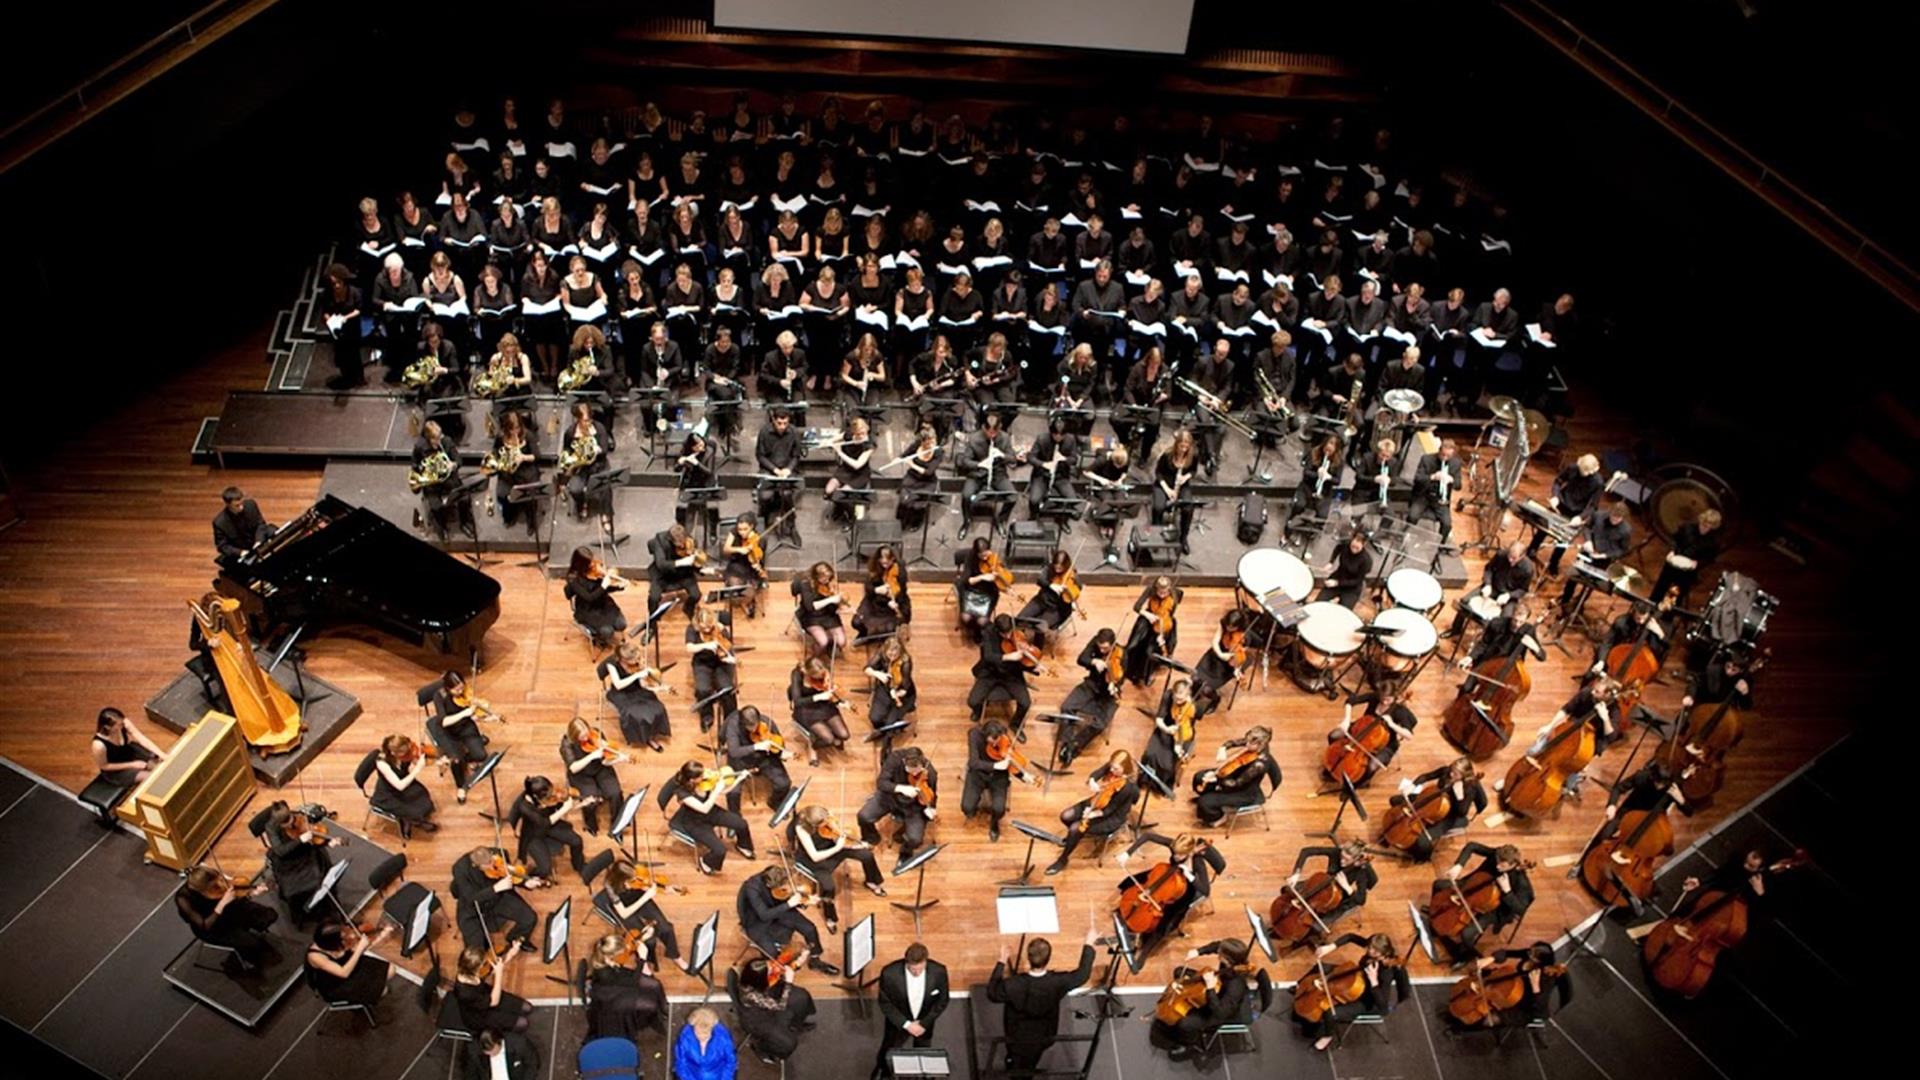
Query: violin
990, 564
1479, 720
1216, 777
714, 778
1189, 990
1409, 821
644, 878
558, 795
1479, 995
499, 868
795, 886
923, 787
599, 571
1002, 748
1299, 912
1680, 953
1622, 865
763, 732
1110, 785
824, 685
1015, 643
783, 965
298, 823
685, 548
897, 678
417, 750
1116, 670
1354, 754
1144, 902
1535, 782
1457, 905
593, 740
630, 947
1234, 644
756, 554
465, 698
1634, 663
1160, 610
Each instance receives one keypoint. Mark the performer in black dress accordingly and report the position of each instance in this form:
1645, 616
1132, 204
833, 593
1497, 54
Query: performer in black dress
398, 787
590, 758
479, 985
538, 814
339, 969
1093, 701
633, 689
1114, 787
590, 587
1234, 779
700, 789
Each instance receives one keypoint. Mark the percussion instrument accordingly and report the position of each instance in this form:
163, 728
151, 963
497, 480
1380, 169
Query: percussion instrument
1328, 634
1540, 515
1403, 401
1409, 637
1680, 492
1266, 570
1736, 613
1505, 409
1415, 590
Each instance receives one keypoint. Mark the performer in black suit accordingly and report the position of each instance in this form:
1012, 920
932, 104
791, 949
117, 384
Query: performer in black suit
238, 526
913, 994
1031, 999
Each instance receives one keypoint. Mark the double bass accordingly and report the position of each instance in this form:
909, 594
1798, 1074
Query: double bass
1696, 754
1479, 720
1680, 953
1620, 868
1634, 663
1535, 782
1480, 995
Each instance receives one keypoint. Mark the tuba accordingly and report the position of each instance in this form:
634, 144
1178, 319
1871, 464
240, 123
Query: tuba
434, 470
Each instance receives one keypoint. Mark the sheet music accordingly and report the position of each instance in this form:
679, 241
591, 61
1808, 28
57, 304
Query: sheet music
1028, 913
534, 307
593, 311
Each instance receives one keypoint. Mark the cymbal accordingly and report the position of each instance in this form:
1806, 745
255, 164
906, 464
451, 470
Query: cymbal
1626, 577
1505, 408
1537, 428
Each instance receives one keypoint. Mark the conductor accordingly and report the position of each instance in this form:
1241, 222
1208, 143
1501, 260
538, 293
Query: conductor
1031, 1000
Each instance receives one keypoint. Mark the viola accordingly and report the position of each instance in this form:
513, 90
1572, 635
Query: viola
763, 732
1234, 644
1354, 754
645, 877
1408, 822
795, 886
500, 868
782, 965
685, 548
1622, 865
1110, 785
1116, 671
630, 947
923, 787
1002, 748
299, 823
1479, 720
892, 581
990, 564
1297, 913
1536, 782
1479, 995
1069, 583
713, 778
1015, 643
1144, 902
1183, 715
1160, 610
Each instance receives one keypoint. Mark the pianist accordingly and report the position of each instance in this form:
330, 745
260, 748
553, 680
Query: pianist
238, 526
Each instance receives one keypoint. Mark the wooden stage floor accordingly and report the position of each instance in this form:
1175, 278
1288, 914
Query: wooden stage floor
116, 539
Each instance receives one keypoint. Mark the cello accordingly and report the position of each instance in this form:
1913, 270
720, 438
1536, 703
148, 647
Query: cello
1619, 869
1696, 755
1480, 995
1320, 991
1354, 754
1189, 990
1536, 781
1408, 823
1299, 911
1143, 903
1456, 906
1479, 720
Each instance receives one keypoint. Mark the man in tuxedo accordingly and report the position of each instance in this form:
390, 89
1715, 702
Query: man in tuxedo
238, 526
493, 1056
672, 571
913, 994
1031, 999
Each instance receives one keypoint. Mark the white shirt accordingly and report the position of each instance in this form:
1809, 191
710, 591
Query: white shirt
497, 1065
916, 992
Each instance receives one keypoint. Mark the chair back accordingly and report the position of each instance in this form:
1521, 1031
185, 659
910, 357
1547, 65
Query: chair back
363, 772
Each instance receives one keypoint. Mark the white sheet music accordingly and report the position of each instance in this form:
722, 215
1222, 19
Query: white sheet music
560, 149
989, 262
1128, 214
458, 307
1137, 278
1221, 273
1056, 331
912, 323
793, 205
1072, 221
335, 322
1485, 337
647, 259
950, 269
1156, 329
411, 303
872, 317
534, 307
1028, 914
988, 207
593, 311
602, 253
1272, 279
603, 192
1533, 335
1235, 331
1324, 335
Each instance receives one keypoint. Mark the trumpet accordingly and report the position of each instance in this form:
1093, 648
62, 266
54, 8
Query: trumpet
434, 470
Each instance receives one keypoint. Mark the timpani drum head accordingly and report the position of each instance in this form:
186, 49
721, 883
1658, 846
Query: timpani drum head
1413, 588
1330, 629
1415, 637
1265, 570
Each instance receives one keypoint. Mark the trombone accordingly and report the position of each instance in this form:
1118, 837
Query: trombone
1215, 406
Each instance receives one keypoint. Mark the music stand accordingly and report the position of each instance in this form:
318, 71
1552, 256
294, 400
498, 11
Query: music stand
325, 891
1026, 909
719, 409
1154, 782
788, 804
700, 959
486, 771
700, 500
856, 954
1034, 835
521, 495
773, 483
1348, 795
1260, 933
647, 632
925, 501
884, 736
623, 820
912, 1061
1107, 1003
604, 483
654, 395
918, 863
554, 945
1422, 933
854, 498
1000, 500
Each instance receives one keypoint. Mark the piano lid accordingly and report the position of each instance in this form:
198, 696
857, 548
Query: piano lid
349, 556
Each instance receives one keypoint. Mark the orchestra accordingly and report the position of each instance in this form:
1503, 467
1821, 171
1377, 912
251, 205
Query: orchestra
968, 375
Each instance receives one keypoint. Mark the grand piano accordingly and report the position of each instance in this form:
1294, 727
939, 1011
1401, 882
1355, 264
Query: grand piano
338, 564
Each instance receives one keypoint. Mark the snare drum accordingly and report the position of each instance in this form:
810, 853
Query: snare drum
1328, 634
1267, 570
1411, 639
1415, 590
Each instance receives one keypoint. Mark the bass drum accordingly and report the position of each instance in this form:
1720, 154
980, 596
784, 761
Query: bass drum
1680, 491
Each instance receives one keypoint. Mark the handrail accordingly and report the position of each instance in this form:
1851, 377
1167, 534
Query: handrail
1815, 217
201, 28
